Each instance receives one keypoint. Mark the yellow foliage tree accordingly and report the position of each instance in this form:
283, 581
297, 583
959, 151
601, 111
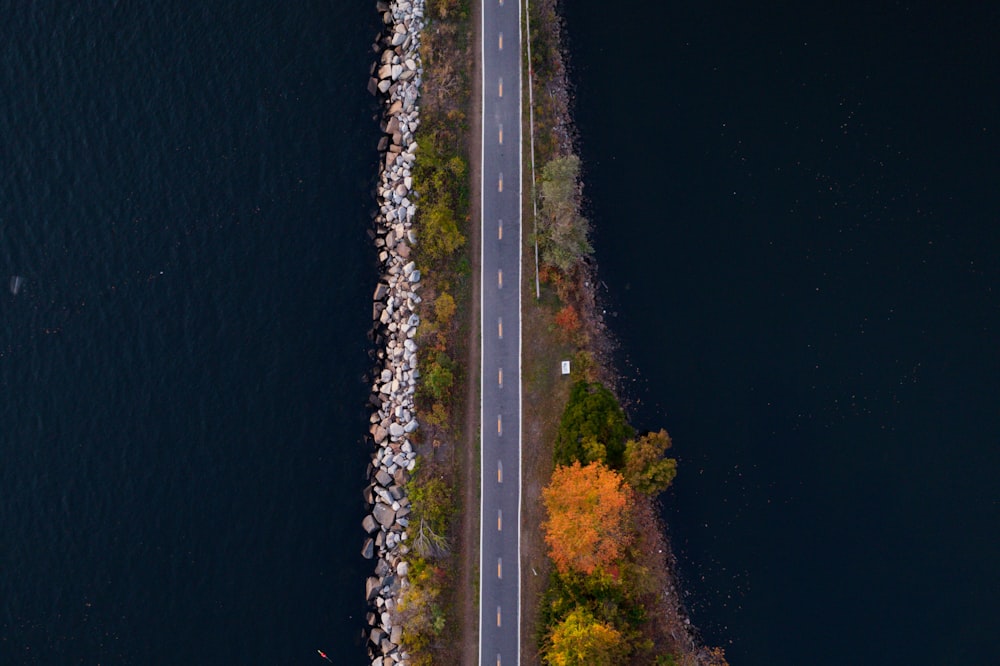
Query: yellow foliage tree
587, 523
646, 469
580, 640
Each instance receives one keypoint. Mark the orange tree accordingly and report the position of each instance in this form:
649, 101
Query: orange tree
587, 524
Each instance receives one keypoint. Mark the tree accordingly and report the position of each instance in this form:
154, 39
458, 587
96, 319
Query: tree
444, 308
592, 412
439, 236
646, 470
587, 523
438, 378
580, 639
562, 232
568, 321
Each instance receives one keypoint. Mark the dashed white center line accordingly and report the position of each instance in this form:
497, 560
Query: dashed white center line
500, 328
500, 87
500, 377
500, 568
500, 184
499, 520
498, 616
499, 425
500, 230
499, 472
501, 41
501, 135
500, 278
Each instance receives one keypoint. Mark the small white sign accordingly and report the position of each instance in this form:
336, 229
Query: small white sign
565, 367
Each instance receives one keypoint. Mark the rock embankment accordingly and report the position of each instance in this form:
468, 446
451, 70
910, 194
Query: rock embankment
396, 77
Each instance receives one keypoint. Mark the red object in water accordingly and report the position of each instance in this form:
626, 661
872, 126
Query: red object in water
323, 654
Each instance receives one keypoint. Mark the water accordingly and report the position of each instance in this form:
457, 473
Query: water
816, 320
185, 196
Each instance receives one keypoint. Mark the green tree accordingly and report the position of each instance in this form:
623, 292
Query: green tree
582, 640
646, 469
592, 413
438, 378
562, 232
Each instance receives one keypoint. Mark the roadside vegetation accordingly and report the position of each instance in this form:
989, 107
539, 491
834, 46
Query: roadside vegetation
428, 610
603, 590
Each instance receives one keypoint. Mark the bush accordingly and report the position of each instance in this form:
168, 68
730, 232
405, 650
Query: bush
592, 413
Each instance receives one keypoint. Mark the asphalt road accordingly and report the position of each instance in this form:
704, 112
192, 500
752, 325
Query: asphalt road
499, 564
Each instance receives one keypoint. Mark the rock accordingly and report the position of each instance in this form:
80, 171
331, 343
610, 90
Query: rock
415, 276
368, 524
384, 514
383, 478
384, 85
381, 290
396, 634
368, 550
372, 586
395, 430
402, 568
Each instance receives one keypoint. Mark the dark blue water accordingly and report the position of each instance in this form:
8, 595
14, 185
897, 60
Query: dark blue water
796, 214
185, 195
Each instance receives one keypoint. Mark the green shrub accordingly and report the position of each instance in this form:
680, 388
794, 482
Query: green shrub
592, 416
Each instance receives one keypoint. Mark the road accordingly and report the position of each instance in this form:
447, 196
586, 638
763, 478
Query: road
500, 417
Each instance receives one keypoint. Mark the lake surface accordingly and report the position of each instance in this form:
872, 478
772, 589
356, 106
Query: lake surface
796, 216
185, 194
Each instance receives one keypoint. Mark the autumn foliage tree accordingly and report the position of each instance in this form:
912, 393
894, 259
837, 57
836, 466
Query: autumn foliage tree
587, 524
646, 469
580, 639
568, 320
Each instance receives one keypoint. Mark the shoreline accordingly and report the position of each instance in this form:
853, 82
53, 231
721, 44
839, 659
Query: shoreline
670, 618
396, 78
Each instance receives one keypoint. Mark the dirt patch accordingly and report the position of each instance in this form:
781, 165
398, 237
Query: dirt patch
468, 556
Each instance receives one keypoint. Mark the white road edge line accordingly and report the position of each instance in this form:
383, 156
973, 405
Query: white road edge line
520, 317
482, 344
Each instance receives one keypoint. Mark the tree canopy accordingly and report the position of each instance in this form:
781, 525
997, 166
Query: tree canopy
587, 520
592, 423
580, 639
562, 232
646, 469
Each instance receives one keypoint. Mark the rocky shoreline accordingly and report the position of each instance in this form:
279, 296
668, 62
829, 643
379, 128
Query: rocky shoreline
396, 78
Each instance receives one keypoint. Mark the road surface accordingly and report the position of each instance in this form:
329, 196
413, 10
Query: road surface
500, 504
